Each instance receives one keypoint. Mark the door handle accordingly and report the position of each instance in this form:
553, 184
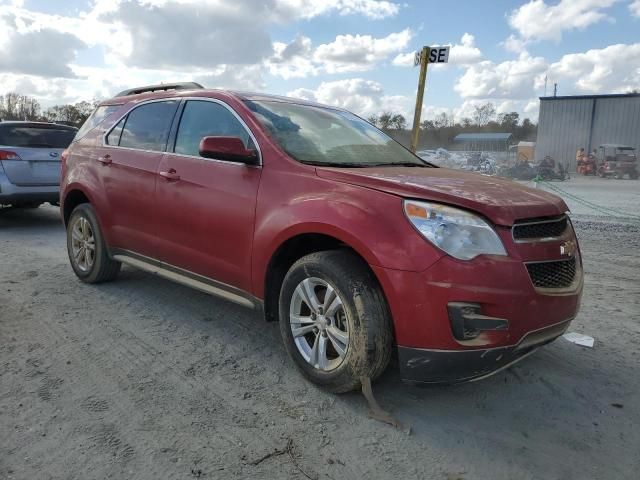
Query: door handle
171, 175
106, 160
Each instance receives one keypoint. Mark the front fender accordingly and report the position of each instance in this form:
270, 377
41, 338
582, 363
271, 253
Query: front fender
370, 222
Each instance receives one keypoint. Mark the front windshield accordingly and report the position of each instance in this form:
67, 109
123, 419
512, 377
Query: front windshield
324, 136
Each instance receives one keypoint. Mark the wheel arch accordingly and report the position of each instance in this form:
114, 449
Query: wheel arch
290, 250
73, 197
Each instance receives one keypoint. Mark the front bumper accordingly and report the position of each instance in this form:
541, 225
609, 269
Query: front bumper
450, 366
518, 317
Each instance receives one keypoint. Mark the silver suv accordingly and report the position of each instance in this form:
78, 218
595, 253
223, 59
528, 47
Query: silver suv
30, 155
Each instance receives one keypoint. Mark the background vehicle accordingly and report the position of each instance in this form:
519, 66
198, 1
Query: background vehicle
546, 170
30, 154
618, 161
315, 217
522, 170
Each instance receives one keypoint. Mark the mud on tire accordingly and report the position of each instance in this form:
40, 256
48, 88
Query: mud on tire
364, 313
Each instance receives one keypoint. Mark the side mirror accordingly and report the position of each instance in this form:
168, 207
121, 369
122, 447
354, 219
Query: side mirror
227, 148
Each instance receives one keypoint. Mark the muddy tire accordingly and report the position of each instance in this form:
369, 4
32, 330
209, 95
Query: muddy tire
334, 320
86, 247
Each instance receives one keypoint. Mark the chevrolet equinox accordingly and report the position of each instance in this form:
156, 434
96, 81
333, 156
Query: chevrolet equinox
314, 217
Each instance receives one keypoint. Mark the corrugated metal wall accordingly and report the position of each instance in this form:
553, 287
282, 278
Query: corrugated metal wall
617, 120
564, 125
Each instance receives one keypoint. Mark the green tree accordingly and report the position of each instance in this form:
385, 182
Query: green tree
75, 114
384, 120
14, 106
398, 122
509, 121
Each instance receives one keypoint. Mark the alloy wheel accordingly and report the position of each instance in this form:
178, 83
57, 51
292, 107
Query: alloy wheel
318, 323
83, 244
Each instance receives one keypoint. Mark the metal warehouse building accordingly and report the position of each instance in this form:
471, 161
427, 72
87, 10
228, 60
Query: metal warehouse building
482, 142
568, 123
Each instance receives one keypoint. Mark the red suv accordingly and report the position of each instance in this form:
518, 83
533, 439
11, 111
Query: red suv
313, 216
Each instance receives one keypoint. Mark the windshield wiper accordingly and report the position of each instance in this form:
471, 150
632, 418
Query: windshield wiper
399, 164
364, 165
336, 164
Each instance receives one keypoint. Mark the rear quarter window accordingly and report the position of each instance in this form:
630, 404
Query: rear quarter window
35, 136
98, 115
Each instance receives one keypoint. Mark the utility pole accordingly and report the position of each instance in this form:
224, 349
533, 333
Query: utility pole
424, 60
555, 89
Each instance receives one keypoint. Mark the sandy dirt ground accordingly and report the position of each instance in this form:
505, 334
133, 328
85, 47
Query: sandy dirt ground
142, 378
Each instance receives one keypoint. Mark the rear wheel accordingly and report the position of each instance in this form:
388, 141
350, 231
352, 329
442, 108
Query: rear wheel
334, 320
86, 247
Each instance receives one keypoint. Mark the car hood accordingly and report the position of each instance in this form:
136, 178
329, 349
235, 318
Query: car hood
501, 200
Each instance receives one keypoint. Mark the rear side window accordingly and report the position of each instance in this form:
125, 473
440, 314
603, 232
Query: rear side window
147, 126
35, 136
202, 119
95, 119
114, 135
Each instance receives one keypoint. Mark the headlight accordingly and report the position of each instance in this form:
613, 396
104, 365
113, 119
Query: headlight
461, 234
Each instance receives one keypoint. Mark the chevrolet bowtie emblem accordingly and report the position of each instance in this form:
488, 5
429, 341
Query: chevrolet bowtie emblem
568, 248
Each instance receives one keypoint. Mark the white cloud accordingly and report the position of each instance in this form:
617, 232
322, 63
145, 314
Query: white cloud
234, 77
159, 35
363, 97
613, 69
514, 85
634, 8
463, 53
404, 59
514, 44
537, 20
532, 107
27, 49
292, 60
513, 79
373, 9
349, 53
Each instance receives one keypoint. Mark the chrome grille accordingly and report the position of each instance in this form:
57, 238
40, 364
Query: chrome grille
538, 228
557, 274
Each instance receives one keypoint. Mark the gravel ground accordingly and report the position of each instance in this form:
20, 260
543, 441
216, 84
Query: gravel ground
146, 379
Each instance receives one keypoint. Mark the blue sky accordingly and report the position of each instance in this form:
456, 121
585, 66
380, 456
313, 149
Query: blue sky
351, 53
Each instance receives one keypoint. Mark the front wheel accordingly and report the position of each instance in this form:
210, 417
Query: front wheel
87, 249
334, 320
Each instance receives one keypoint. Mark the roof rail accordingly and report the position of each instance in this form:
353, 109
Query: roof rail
160, 87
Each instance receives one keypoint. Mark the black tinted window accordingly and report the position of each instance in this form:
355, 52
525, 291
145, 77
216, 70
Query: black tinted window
202, 119
147, 127
36, 137
114, 135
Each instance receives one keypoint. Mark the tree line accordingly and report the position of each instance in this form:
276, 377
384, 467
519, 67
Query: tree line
14, 106
437, 132
441, 130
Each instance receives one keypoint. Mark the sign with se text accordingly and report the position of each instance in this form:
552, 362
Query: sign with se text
436, 55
